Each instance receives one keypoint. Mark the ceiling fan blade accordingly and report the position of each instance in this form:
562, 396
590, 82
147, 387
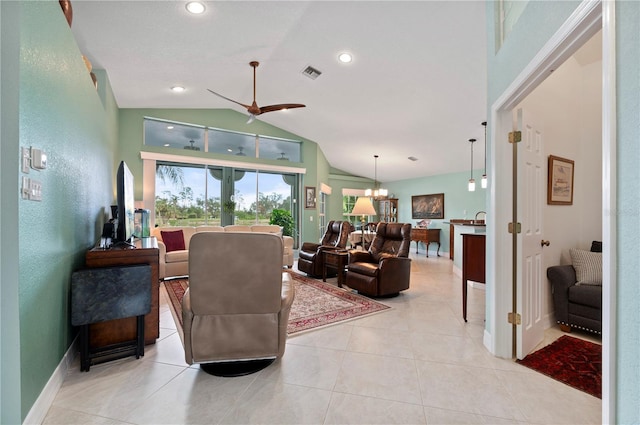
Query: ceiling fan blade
230, 100
271, 108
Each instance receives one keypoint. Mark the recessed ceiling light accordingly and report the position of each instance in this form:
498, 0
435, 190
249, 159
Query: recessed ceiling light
345, 57
178, 89
169, 127
412, 158
195, 7
166, 145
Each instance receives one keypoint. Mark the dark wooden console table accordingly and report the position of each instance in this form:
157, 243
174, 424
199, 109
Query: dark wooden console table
473, 263
427, 236
121, 330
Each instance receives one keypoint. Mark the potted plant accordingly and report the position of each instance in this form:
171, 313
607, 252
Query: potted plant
229, 206
284, 219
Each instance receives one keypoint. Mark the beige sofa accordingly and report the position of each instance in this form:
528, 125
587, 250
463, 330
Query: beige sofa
176, 263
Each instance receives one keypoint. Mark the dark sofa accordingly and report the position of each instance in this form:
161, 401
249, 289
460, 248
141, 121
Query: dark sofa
576, 306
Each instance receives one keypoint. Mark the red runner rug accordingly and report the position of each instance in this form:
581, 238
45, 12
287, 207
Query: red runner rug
573, 361
316, 303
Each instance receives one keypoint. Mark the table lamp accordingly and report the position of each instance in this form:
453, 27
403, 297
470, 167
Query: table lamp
363, 207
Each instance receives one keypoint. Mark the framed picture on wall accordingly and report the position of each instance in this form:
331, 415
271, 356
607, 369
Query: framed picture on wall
427, 206
560, 181
309, 197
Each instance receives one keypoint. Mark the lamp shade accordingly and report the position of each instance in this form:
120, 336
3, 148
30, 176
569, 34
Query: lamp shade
363, 206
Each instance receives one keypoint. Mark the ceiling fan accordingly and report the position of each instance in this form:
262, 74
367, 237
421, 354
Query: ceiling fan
255, 110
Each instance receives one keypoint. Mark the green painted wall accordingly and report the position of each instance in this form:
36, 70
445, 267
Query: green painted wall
536, 25
61, 113
339, 181
628, 211
131, 143
457, 199
10, 387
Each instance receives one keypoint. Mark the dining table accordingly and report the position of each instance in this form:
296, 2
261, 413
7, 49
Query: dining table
355, 238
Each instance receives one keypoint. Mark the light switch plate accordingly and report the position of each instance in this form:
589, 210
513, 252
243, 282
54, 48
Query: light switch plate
25, 160
25, 190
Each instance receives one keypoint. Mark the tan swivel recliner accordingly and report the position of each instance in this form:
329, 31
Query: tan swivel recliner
236, 309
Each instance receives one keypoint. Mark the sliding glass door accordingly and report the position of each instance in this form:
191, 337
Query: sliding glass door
195, 195
187, 195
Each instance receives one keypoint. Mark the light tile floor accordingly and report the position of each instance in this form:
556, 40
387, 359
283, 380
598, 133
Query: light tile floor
414, 364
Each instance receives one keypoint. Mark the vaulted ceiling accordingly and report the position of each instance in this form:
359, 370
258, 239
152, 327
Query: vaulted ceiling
416, 85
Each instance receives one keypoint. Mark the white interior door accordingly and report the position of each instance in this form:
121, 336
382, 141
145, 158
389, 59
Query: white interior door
531, 198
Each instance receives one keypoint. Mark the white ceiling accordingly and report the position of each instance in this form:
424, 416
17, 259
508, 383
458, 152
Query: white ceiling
416, 87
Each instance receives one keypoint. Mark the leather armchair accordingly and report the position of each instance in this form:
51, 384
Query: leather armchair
311, 257
385, 269
238, 301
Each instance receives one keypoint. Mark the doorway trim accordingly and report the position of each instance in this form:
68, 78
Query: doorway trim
584, 22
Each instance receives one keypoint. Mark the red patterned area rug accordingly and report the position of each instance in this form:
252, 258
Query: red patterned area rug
573, 361
316, 303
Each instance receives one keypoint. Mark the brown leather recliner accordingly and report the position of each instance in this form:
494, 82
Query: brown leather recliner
238, 302
311, 257
385, 269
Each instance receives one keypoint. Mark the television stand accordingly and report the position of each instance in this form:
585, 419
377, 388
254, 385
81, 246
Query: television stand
123, 245
116, 331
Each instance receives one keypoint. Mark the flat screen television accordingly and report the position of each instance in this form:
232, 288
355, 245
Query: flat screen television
126, 204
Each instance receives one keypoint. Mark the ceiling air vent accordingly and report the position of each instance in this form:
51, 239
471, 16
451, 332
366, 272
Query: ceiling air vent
311, 72
412, 158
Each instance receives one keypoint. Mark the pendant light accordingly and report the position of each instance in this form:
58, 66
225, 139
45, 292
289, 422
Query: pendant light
483, 182
376, 193
472, 182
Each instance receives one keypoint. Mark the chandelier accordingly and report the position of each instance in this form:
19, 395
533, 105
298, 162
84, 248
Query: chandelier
377, 192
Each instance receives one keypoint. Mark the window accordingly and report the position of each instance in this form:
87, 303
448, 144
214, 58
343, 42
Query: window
187, 195
195, 195
232, 143
173, 135
322, 212
509, 12
348, 202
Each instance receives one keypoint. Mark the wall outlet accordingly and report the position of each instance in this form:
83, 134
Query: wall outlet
310, 218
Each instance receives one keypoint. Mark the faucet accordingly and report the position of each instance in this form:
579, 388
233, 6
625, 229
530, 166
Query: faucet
478, 213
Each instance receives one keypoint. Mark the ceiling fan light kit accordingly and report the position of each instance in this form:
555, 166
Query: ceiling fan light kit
255, 110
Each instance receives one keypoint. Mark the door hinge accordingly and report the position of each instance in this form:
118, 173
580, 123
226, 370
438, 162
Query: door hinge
515, 137
514, 318
518, 227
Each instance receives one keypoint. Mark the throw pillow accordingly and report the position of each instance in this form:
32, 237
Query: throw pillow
588, 266
174, 240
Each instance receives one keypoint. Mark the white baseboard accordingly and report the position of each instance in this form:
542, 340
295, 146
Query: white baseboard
40, 408
487, 341
549, 320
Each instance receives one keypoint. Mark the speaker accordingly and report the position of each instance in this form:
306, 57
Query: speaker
107, 230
